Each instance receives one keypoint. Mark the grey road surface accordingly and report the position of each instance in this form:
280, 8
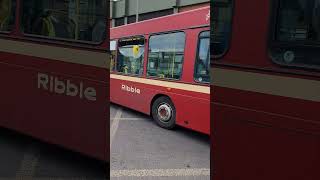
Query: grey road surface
142, 150
22, 157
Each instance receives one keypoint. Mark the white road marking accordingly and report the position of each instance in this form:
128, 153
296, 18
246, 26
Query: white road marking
130, 119
115, 125
28, 164
160, 172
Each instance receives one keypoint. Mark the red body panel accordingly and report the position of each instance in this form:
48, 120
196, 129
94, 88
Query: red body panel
72, 122
192, 107
259, 135
276, 139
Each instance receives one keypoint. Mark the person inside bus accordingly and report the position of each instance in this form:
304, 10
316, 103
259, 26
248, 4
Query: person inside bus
125, 69
112, 62
65, 28
43, 25
99, 30
5, 6
48, 28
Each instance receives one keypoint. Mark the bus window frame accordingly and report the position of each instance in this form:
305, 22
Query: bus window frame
197, 56
217, 58
273, 43
57, 40
117, 54
184, 51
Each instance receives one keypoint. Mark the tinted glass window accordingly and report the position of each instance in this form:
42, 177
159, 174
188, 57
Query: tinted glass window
119, 21
299, 20
130, 56
83, 20
221, 26
202, 66
166, 54
297, 34
113, 50
7, 14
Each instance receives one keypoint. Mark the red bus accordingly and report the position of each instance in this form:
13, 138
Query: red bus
266, 83
53, 65
160, 67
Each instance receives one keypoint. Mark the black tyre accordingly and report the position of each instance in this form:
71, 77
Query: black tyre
164, 112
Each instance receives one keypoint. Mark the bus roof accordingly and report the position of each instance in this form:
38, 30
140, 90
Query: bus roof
184, 20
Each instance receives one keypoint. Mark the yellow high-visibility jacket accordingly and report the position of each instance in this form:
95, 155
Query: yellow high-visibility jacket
48, 28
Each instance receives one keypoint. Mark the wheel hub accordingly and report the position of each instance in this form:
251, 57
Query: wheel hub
164, 112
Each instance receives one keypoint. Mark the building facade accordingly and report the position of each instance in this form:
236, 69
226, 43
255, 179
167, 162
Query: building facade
129, 11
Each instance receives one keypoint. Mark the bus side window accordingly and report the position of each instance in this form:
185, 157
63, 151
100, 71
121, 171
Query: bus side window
295, 41
202, 66
7, 14
130, 56
221, 27
166, 54
70, 20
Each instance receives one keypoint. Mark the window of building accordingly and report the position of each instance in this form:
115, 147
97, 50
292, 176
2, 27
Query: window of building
155, 14
130, 56
131, 19
166, 54
7, 14
81, 20
221, 26
119, 22
202, 66
296, 39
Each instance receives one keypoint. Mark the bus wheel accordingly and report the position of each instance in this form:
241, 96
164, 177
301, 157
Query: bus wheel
164, 112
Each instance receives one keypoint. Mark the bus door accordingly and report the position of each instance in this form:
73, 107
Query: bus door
127, 86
